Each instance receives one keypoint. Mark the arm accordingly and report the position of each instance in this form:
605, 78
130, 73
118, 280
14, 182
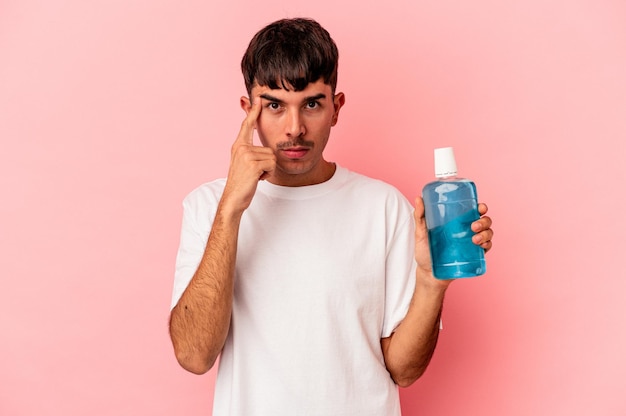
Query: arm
409, 349
200, 321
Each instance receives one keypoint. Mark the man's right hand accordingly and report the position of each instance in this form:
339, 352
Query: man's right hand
248, 163
200, 321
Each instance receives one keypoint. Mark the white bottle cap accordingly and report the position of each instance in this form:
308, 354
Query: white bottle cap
445, 164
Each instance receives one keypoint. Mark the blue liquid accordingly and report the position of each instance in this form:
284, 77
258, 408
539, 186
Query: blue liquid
451, 207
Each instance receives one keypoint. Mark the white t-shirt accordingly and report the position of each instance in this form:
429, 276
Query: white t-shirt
323, 273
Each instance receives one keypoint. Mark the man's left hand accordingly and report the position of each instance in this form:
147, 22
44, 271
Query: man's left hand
481, 227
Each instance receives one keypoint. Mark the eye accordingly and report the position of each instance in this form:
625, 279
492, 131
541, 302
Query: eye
273, 105
312, 105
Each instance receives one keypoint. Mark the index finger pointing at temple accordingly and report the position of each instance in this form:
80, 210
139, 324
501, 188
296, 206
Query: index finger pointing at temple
248, 124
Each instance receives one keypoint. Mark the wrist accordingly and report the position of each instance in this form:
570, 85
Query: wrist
228, 214
426, 281
232, 206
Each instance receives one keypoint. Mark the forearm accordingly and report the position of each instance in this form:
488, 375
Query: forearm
408, 350
199, 323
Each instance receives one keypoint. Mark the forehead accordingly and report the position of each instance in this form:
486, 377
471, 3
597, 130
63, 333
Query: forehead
312, 89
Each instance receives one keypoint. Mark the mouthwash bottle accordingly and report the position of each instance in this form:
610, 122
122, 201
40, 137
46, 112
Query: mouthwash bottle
451, 207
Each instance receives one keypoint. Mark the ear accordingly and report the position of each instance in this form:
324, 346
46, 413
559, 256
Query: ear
245, 104
338, 101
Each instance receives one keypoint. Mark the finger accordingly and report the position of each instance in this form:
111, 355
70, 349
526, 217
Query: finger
481, 224
256, 155
486, 246
420, 219
482, 209
419, 209
268, 171
248, 152
422, 250
246, 133
483, 237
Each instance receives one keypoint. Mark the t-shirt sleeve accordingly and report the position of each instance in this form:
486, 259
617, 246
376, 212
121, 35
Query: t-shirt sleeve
400, 270
198, 214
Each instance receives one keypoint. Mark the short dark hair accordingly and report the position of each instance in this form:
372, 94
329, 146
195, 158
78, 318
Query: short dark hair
290, 53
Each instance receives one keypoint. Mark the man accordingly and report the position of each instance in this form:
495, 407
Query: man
314, 283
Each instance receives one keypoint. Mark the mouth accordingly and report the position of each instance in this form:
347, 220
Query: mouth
295, 152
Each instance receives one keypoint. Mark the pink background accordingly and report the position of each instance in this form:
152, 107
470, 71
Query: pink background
111, 111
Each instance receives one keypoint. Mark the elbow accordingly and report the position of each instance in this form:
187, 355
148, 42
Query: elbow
405, 375
194, 363
192, 355
192, 358
195, 368
405, 380
403, 371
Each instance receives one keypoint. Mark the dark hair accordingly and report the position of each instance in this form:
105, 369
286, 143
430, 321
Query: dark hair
290, 53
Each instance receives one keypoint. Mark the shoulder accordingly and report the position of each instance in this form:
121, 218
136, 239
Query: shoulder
374, 189
376, 185
205, 196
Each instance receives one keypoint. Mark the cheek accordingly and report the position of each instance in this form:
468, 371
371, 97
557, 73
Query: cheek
320, 122
263, 138
331, 118
265, 130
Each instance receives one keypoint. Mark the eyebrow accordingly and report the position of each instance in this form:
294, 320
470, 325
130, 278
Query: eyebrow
315, 97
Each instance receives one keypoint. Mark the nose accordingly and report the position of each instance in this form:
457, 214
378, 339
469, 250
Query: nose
294, 124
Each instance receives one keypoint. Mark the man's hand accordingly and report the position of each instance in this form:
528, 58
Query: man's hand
481, 228
248, 163
410, 347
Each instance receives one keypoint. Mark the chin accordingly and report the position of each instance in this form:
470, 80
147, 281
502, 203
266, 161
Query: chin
294, 170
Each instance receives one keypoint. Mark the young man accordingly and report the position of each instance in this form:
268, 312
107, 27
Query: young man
314, 283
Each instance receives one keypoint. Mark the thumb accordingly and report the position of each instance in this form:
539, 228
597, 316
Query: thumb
419, 210
421, 231
422, 249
